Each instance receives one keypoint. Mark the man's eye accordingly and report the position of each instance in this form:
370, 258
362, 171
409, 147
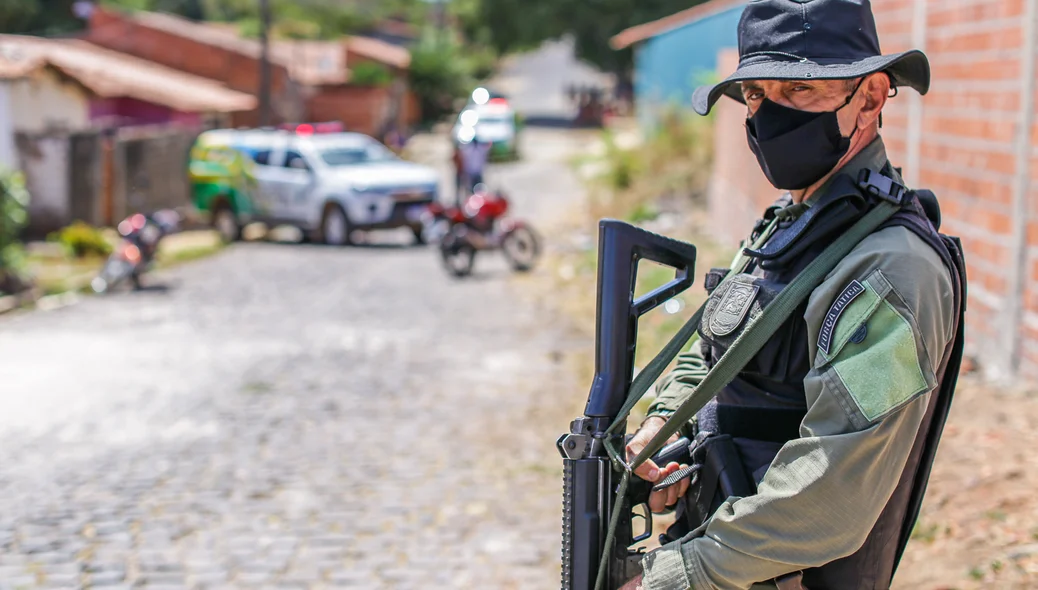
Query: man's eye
801, 88
755, 96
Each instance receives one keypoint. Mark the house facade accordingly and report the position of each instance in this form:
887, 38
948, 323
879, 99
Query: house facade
67, 106
675, 54
34, 102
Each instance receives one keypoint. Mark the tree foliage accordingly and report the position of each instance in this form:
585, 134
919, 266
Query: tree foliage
370, 74
518, 24
291, 18
440, 72
39, 17
15, 14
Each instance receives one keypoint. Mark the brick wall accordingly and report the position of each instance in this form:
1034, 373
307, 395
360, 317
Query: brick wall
362, 109
238, 71
961, 141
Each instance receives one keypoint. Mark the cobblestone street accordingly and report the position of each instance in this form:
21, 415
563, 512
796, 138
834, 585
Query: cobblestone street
293, 416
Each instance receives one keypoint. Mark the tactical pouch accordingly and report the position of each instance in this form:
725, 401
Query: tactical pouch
720, 475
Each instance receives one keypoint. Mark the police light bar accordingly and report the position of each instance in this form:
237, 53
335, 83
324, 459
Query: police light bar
313, 128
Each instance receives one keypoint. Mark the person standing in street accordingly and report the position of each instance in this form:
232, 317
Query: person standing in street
835, 421
474, 156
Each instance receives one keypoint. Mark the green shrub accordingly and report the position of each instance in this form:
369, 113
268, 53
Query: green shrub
14, 215
623, 164
642, 212
370, 74
440, 73
82, 240
674, 160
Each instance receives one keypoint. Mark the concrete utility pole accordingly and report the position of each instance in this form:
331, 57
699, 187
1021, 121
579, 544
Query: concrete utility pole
441, 22
264, 79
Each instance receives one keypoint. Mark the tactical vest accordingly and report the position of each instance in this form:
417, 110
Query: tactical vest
763, 407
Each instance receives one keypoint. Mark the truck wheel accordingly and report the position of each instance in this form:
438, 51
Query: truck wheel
419, 235
335, 227
225, 222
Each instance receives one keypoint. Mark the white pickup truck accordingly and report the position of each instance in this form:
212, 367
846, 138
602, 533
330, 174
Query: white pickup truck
328, 185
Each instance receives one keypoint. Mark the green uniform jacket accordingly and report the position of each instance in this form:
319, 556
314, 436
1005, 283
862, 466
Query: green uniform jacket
865, 402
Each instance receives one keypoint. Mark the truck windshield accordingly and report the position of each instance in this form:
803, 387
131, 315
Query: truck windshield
353, 155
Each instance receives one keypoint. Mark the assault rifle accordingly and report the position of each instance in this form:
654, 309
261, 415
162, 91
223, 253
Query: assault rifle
590, 481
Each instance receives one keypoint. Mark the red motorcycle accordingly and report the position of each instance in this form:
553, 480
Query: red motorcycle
480, 224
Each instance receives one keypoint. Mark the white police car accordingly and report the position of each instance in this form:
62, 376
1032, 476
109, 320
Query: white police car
330, 184
490, 118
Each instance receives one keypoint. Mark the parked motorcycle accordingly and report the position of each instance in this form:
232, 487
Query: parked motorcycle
136, 251
480, 224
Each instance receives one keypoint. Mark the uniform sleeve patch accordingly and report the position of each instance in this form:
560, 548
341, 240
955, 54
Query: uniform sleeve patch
825, 336
875, 351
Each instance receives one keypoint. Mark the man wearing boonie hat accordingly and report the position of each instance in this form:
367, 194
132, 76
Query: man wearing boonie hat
836, 420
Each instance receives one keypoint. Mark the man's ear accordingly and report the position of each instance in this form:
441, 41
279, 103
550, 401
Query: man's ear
876, 90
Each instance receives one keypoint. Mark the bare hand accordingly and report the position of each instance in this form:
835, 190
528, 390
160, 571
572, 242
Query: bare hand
649, 471
634, 584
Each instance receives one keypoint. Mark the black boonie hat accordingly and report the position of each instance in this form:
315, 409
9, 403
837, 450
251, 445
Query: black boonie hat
812, 40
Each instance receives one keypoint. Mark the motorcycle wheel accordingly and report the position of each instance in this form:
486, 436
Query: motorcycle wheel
458, 256
99, 285
433, 232
521, 248
111, 275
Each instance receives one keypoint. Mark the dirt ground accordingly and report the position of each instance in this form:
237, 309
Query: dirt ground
979, 524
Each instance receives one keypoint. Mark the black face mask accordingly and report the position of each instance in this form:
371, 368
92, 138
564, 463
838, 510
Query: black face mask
796, 148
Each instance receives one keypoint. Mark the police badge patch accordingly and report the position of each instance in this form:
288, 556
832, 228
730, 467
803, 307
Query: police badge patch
732, 309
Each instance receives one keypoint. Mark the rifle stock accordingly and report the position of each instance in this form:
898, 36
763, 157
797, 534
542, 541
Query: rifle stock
589, 481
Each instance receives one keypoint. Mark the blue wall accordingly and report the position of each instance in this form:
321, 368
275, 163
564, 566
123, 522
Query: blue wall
668, 67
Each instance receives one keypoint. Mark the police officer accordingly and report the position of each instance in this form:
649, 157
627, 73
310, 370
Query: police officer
835, 420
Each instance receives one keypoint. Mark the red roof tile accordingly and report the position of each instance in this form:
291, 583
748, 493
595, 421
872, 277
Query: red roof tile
308, 62
639, 33
111, 74
214, 34
380, 51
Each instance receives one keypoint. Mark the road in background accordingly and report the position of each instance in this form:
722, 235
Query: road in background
293, 416
296, 416
536, 82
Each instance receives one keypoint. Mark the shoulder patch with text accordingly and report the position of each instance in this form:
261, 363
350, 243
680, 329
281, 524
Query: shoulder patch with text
849, 294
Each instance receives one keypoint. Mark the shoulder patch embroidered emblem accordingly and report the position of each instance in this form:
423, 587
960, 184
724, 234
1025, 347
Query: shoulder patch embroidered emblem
732, 309
825, 336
